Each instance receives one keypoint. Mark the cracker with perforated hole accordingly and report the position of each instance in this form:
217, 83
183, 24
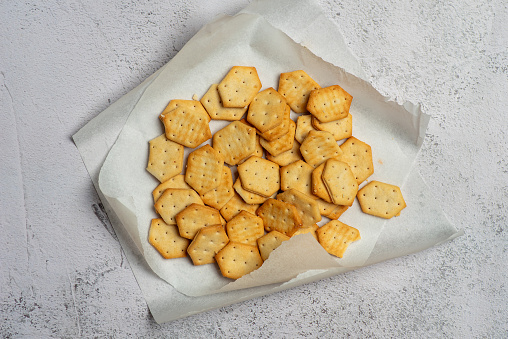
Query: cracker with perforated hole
269, 242
266, 110
318, 186
220, 195
249, 197
340, 182
287, 157
280, 129
337, 211
189, 105
245, 228
165, 159
358, 155
318, 147
166, 239
239, 86
212, 102
296, 87
325, 208
279, 216
297, 175
281, 144
306, 206
329, 103
186, 127
303, 127
236, 260
194, 217
235, 142
340, 129
335, 237
204, 169
178, 181
259, 151
235, 205
308, 229
259, 176
173, 201
206, 244
381, 199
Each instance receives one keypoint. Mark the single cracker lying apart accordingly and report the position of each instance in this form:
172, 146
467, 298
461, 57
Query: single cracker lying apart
267, 110
306, 206
297, 175
245, 228
340, 129
340, 182
166, 239
282, 144
212, 102
235, 205
194, 217
220, 195
165, 159
235, 142
303, 127
236, 260
239, 86
259, 176
296, 87
206, 244
318, 147
329, 103
279, 216
186, 127
287, 157
381, 199
336, 236
173, 201
178, 181
358, 155
204, 169
269, 242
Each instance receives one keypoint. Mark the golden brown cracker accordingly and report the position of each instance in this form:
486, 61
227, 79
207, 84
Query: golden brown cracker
318, 186
166, 239
212, 102
245, 228
282, 144
235, 142
267, 110
297, 175
303, 127
318, 147
279, 216
194, 217
187, 128
296, 87
204, 169
340, 182
178, 181
220, 195
381, 199
236, 260
287, 157
165, 159
335, 237
173, 201
358, 155
239, 86
259, 176
235, 205
329, 103
280, 129
247, 196
206, 244
306, 206
269, 242
340, 129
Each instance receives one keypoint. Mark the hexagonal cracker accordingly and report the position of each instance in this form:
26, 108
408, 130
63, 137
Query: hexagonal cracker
269, 242
236, 260
329, 103
318, 147
303, 127
239, 86
267, 110
178, 181
358, 155
280, 129
204, 169
235, 205
288, 157
165, 159
259, 176
186, 127
206, 244
335, 237
297, 175
235, 142
173, 201
340, 129
306, 206
194, 217
381, 199
245, 228
166, 239
296, 87
279, 216
189, 105
340, 182
283, 143
220, 195
212, 102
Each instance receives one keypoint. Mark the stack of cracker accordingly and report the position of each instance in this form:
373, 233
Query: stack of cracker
311, 172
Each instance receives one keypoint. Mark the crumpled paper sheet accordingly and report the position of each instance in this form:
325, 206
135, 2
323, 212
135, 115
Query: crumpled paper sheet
405, 135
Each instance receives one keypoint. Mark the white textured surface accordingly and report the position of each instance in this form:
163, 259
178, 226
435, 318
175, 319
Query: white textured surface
62, 271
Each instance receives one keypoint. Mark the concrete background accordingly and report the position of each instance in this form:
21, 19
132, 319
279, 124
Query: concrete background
62, 270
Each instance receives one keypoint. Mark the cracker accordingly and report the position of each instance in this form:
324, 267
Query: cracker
206, 244
178, 181
235, 205
340, 182
185, 127
165, 159
173, 201
194, 217
220, 195
259, 151
189, 105
245, 228
235, 142
297, 175
381, 199
281, 144
340, 129
318, 147
296, 87
306, 206
267, 110
279, 216
204, 169
269, 242
236, 260
318, 186
287, 157
239, 86
166, 239
308, 229
335, 237
358, 155
212, 102
325, 208
329, 103
280, 129
249, 197
259, 176
337, 211
303, 127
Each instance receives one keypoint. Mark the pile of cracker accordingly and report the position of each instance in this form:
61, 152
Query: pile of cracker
289, 174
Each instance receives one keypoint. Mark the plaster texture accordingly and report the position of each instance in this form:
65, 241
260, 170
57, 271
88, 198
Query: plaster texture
62, 270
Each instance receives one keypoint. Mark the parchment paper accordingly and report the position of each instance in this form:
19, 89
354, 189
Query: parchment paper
395, 134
